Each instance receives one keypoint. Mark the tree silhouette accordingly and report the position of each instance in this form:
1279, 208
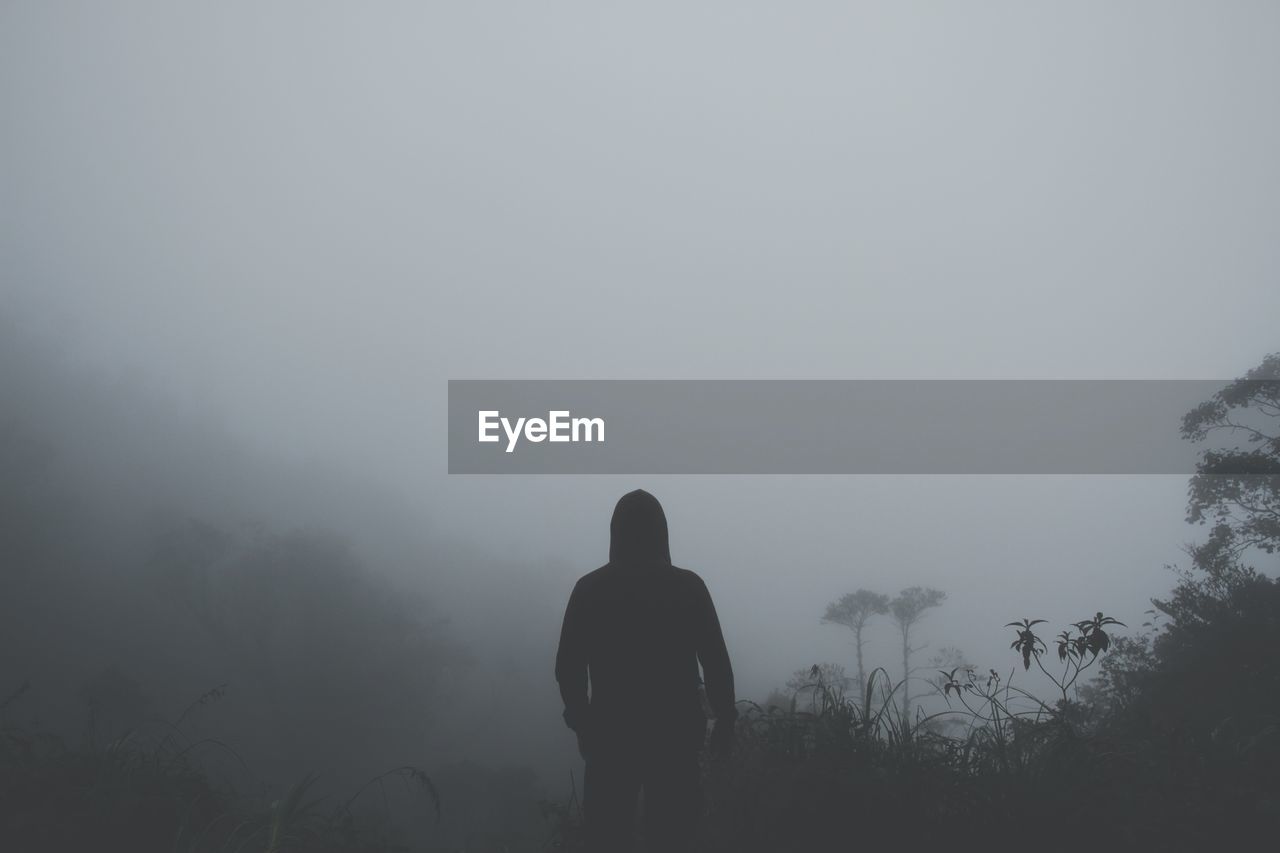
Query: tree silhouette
1211, 666
907, 609
852, 610
1238, 489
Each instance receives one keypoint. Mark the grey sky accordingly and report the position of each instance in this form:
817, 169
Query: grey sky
302, 218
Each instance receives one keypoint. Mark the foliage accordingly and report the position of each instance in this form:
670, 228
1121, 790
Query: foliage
839, 769
144, 791
835, 771
816, 685
1207, 669
853, 609
1237, 489
910, 604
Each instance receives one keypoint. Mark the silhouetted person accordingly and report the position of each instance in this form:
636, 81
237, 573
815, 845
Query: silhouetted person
637, 628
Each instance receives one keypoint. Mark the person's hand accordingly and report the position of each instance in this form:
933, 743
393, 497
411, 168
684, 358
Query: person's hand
721, 744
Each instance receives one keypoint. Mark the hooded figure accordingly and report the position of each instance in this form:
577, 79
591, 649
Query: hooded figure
636, 630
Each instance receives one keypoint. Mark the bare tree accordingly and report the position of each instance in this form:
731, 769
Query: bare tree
852, 610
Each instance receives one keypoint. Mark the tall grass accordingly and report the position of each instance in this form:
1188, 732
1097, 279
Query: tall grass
996, 766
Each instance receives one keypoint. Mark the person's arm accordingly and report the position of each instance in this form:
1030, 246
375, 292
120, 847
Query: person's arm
571, 662
717, 672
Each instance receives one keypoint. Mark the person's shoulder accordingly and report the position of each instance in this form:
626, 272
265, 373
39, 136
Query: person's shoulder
592, 578
689, 579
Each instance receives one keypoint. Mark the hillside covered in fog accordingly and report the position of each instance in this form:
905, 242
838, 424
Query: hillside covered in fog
272, 648
159, 572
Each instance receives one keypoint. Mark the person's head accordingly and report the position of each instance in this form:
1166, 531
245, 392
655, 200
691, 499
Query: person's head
638, 531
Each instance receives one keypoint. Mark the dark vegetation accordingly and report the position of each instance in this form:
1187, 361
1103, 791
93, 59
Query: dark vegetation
190, 661
303, 688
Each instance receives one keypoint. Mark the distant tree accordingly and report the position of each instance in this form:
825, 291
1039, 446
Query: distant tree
852, 610
907, 609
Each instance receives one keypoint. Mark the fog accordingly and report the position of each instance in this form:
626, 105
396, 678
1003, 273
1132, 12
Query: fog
243, 247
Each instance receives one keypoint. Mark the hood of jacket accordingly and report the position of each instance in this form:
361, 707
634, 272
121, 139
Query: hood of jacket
638, 531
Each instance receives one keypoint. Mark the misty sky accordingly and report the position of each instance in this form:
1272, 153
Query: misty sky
300, 219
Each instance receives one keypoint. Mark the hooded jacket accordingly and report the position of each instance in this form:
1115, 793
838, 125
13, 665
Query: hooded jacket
636, 630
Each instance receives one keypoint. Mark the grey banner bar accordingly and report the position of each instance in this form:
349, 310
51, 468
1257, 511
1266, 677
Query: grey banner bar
824, 426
